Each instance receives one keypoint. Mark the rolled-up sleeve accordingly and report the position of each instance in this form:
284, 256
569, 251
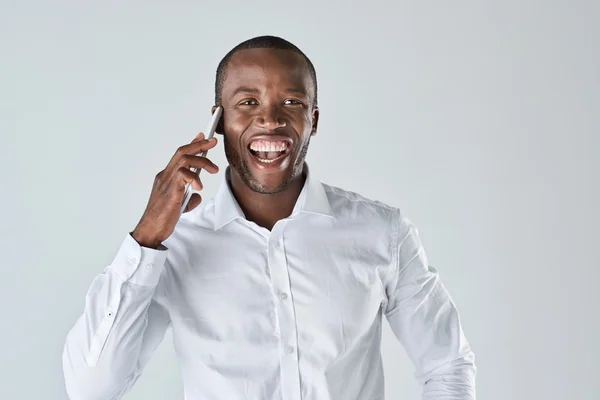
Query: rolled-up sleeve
425, 320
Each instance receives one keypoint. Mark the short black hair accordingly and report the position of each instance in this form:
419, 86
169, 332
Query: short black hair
261, 42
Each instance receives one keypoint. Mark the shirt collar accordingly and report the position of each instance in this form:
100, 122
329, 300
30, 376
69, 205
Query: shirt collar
312, 199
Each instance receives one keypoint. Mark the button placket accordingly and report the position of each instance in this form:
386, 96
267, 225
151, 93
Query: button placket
285, 313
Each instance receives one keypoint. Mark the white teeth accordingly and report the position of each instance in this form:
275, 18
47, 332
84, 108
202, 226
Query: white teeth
268, 147
270, 161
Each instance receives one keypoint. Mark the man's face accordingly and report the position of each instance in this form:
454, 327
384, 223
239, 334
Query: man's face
268, 117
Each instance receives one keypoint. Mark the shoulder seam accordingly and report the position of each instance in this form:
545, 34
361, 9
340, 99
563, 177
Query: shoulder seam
359, 198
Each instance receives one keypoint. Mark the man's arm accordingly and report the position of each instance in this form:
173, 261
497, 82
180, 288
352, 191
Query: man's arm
425, 320
121, 325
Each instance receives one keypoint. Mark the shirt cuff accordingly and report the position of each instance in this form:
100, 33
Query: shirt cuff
137, 264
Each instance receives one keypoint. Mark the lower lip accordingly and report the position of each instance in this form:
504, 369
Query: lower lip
276, 163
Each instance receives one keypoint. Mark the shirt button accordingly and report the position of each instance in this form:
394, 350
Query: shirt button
109, 314
149, 266
283, 296
132, 260
289, 350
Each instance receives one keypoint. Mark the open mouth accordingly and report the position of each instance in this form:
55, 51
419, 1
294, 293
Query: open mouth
268, 152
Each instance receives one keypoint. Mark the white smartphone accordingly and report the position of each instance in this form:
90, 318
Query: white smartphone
208, 134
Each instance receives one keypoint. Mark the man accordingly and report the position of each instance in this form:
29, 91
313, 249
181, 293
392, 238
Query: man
276, 288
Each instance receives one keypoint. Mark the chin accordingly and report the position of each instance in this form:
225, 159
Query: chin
270, 182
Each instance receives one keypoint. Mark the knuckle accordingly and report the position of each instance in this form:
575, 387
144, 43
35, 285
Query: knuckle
160, 176
180, 152
185, 159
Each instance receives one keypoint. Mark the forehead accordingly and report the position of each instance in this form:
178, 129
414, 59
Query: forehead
267, 69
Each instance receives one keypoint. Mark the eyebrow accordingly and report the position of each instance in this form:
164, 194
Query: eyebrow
246, 89
295, 90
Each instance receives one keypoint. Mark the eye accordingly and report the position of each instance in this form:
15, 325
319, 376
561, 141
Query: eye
292, 102
249, 102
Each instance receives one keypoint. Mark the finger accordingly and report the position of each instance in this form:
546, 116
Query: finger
190, 161
198, 146
188, 176
195, 200
198, 137
194, 148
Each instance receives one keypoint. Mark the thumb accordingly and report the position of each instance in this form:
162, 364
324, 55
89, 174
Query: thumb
195, 200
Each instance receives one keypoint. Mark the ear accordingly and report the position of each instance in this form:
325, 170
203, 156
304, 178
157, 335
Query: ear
315, 121
220, 129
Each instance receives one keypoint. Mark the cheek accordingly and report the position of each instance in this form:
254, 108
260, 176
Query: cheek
238, 123
303, 125
235, 126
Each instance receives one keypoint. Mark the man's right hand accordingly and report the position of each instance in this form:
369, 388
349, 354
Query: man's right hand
167, 196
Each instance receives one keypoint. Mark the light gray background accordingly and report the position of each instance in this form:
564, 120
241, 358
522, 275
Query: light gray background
479, 119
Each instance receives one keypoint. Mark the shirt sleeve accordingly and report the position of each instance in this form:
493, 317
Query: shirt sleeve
425, 320
123, 322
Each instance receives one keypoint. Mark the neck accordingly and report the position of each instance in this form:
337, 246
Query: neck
266, 209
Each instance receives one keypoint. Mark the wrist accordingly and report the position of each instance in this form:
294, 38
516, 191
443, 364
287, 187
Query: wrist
145, 239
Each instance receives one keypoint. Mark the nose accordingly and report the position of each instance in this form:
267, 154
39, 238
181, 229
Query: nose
270, 118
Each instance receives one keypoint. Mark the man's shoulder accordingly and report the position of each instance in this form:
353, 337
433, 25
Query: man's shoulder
344, 201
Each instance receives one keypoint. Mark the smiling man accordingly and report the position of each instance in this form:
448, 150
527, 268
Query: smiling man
277, 287
270, 108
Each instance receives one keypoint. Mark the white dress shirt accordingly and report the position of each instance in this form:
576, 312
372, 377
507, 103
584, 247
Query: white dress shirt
289, 314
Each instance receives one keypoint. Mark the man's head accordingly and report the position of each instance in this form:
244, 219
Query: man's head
268, 90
